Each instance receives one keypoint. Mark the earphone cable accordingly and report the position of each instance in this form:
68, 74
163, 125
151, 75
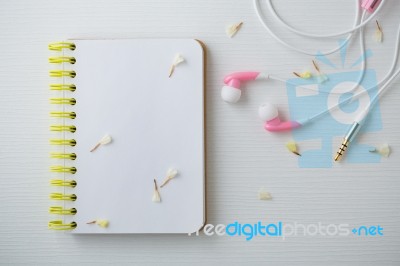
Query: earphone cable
380, 91
362, 69
284, 43
311, 35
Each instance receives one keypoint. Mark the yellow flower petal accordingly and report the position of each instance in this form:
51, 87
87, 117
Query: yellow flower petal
292, 147
102, 223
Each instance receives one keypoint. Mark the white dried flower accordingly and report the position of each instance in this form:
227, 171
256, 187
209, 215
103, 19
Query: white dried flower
105, 140
231, 30
264, 195
177, 60
171, 173
156, 194
378, 32
383, 150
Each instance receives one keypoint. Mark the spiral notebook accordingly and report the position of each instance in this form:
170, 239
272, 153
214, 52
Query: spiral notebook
123, 89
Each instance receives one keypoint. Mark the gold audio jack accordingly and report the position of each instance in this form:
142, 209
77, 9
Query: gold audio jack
347, 139
341, 150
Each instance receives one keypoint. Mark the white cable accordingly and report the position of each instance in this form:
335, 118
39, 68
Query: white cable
362, 69
380, 93
374, 99
363, 61
348, 31
311, 35
258, 13
396, 55
384, 87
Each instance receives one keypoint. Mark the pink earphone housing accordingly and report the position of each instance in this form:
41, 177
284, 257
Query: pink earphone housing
370, 5
235, 79
276, 125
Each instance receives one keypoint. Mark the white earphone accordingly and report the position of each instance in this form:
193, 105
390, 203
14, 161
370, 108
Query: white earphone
231, 92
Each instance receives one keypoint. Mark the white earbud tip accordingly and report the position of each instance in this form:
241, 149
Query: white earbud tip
230, 94
267, 112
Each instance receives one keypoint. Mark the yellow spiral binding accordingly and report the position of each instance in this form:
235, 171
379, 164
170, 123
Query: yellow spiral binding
62, 59
70, 101
65, 142
61, 211
62, 73
63, 183
62, 169
56, 114
61, 128
59, 225
58, 46
60, 155
60, 196
62, 87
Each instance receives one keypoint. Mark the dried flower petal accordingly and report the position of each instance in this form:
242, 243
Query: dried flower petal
321, 77
292, 147
156, 193
171, 173
100, 222
105, 140
383, 150
264, 195
304, 75
177, 60
378, 32
378, 36
156, 196
231, 30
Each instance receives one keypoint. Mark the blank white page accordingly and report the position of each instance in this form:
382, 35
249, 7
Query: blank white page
156, 123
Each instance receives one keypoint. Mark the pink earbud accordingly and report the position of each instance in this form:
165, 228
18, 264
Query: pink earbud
269, 113
231, 91
370, 5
